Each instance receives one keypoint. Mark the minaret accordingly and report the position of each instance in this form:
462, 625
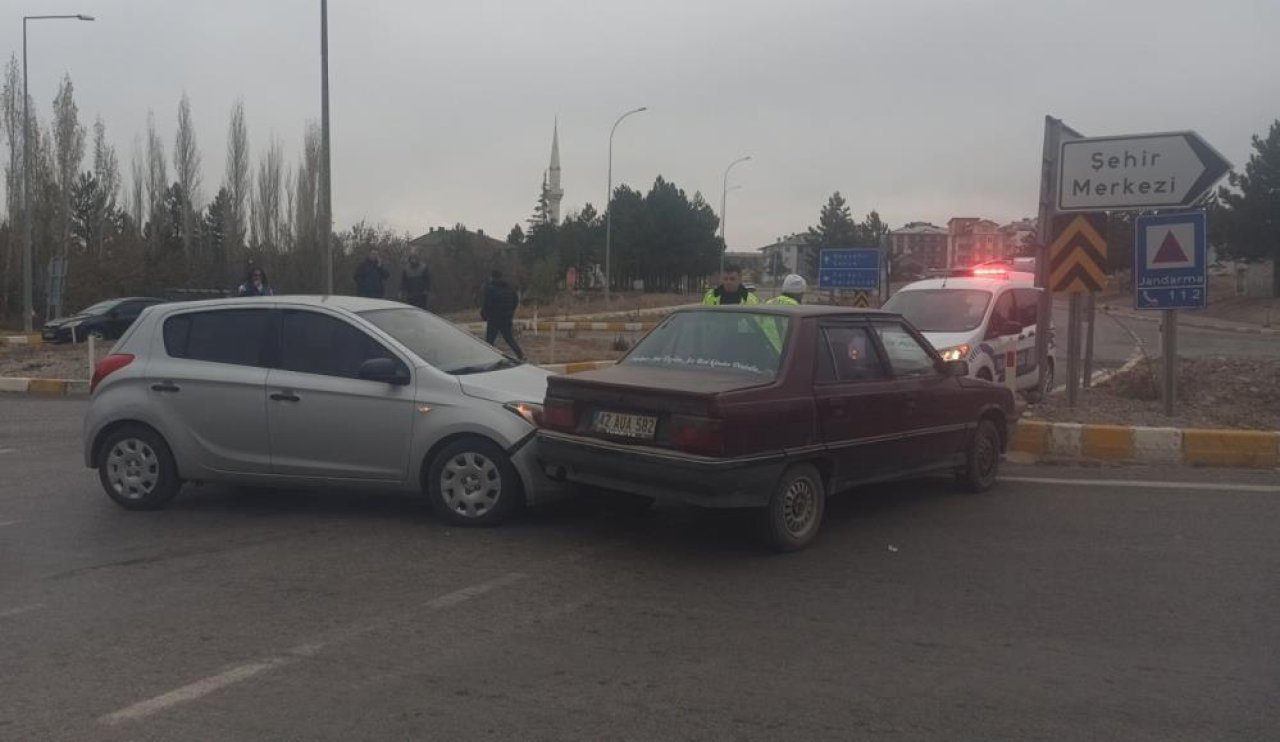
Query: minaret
554, 192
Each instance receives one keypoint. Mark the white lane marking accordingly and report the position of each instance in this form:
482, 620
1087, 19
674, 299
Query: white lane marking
193, 691
21, 610
1133, 484
8, 450
4, 523
201, 688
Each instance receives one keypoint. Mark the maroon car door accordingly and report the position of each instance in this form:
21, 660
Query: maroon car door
932, 410
858, 404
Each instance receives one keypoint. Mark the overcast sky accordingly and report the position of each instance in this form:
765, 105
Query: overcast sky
442, 111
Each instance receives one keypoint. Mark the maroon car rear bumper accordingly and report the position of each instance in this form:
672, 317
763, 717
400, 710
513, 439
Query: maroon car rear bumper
665, 475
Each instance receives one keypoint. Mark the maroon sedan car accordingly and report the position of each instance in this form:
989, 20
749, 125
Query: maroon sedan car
773, 407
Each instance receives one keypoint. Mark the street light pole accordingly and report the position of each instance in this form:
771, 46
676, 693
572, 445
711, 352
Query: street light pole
28, 258
724, 193
326, 199
608, 208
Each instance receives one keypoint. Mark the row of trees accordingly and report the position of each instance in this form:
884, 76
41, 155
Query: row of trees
664, 238
837, 229
158, 232
1244, 216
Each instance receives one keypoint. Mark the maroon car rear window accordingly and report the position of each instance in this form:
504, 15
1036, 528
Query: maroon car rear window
734, 342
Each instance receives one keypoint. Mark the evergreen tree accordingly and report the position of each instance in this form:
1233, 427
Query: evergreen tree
1249, 209
515, 236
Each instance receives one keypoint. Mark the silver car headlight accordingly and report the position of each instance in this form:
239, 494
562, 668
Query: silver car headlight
530, 412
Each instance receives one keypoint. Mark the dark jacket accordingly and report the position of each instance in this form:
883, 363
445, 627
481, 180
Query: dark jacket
371, 279
415, 281
500, 302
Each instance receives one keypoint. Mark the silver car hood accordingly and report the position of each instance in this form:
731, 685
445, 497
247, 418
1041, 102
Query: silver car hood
526, 383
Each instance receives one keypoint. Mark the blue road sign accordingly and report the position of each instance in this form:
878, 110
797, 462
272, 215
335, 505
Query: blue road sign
1170, 261
849, 269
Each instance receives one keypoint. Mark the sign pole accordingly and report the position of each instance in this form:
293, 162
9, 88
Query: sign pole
1073, 351
1169, 341
1044, 235
1091, 311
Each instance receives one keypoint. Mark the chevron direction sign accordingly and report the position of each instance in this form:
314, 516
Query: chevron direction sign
1078, 253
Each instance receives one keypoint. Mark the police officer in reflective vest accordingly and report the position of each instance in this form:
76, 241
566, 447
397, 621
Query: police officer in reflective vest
793, 288
730, 290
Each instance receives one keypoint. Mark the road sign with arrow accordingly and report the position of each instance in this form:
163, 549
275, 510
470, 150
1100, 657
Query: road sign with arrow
1169, 261
1137, 172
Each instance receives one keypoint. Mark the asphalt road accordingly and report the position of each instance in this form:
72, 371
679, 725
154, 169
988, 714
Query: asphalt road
1058, 610
1117, 339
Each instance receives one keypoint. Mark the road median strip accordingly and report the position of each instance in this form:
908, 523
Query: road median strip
1045, 441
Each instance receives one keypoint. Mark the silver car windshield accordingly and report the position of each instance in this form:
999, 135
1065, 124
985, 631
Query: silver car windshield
941, 310
438, 342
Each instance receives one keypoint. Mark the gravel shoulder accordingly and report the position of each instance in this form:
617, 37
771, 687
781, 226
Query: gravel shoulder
1213, 392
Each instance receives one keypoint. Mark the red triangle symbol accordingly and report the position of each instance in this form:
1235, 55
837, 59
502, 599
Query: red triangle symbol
1170, 251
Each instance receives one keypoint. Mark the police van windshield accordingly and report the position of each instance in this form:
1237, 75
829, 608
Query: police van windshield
941, 310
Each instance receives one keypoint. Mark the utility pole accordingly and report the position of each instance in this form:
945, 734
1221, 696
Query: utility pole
608, 208
326, 198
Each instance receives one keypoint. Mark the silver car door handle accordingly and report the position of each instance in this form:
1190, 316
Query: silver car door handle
165, 386
286, 396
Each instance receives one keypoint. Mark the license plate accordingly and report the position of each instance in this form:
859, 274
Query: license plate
626, 426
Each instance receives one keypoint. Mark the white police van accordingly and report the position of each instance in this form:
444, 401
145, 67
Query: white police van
976, 316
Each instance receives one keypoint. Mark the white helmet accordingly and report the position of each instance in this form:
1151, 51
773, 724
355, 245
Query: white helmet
794, 284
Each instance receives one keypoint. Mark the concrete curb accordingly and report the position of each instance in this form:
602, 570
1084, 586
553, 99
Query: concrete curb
44, 387
573, 326
1036, 440
577, 368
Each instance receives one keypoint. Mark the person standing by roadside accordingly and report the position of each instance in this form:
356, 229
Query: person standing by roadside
255, 284
499, 311
793, 288
792, 295
730, 290
371, 277
415, 282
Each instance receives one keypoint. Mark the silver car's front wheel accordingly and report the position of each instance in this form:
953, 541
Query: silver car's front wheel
471, 482
136, 468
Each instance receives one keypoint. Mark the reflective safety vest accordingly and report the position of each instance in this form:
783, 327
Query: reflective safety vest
769, 325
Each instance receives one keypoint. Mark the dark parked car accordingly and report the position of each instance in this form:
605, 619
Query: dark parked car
105, 320
773, 408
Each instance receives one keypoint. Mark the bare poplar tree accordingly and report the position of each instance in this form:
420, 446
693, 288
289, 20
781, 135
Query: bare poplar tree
68, 141
157, 173
307, 193
268, 197
137, 184
11, 125
186, 165
106, 169
238, 181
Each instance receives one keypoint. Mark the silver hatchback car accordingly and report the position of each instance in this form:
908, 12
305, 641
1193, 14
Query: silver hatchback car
315, 391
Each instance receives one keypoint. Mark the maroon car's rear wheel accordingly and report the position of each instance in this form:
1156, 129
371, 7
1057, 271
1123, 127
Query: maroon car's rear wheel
791, 520
982, 460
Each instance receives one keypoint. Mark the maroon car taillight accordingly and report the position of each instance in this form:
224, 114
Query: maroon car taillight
558, 414
108, 366
700, 435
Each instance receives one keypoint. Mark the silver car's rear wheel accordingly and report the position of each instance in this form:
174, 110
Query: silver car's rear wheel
136, 468
471, 482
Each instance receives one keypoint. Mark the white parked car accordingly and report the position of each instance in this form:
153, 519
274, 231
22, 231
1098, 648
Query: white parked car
976, 318
315, 391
